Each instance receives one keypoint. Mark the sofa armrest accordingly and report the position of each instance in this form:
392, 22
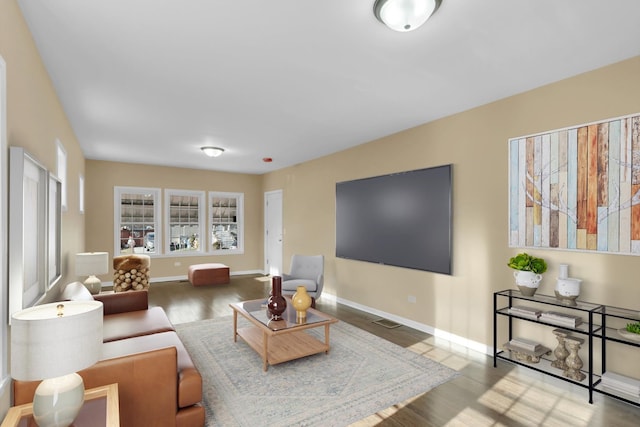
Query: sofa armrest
122, 302
113, 303
147, 386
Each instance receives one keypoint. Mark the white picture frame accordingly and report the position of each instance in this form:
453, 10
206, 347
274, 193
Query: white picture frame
27, 234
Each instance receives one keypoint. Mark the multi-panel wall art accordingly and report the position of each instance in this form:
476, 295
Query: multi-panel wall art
577, 188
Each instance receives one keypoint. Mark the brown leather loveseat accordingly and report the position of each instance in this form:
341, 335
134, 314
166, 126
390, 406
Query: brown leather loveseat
158, 384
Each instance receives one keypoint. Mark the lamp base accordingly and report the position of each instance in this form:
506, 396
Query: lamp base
57, 401
93, 284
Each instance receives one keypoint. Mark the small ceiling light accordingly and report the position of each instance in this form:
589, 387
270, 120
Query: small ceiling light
212, 151
404, 15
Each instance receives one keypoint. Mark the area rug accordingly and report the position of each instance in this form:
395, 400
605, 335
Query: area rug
361, 375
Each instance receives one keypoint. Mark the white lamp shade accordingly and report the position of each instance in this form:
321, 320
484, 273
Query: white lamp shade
45, 345
88, 263
404, 15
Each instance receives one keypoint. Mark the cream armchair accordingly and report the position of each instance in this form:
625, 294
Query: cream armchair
307, 271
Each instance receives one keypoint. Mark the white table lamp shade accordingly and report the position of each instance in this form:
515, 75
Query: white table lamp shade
92, 263
50, 342
45, 345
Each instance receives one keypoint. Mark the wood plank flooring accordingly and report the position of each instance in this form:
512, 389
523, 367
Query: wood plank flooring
482, 395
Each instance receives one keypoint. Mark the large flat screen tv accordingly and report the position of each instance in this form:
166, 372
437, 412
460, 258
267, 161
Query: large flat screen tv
402, 219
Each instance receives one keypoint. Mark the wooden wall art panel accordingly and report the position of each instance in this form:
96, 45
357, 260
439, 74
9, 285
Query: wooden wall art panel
577, 188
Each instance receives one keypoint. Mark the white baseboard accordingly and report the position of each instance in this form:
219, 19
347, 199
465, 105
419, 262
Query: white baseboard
439, 333
184, 277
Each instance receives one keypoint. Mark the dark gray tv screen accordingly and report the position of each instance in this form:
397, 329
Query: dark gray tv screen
402, 219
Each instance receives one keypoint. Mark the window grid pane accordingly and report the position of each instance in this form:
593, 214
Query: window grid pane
224, 232
137, 223
184, 225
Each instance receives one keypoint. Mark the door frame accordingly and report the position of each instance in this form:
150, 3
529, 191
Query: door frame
267, 194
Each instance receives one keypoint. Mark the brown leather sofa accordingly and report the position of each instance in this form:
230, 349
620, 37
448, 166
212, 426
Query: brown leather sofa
158, 384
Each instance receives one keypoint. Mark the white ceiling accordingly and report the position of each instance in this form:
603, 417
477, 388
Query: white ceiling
150, 81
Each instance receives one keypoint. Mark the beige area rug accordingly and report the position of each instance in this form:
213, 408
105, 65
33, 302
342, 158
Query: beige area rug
361, 375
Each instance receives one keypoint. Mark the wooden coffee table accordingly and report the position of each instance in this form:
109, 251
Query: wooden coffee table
282, 340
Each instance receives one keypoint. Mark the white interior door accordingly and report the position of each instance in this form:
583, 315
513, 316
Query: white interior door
273, 232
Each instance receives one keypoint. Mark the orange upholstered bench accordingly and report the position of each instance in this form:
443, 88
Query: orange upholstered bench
208, 274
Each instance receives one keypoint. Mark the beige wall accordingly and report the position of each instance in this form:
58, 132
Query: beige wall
475, 142
35, 119
102, 177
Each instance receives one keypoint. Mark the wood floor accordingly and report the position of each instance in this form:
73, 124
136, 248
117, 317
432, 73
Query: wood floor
481, 396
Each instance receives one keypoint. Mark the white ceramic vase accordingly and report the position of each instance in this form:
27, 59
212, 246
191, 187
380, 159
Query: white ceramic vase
527, 282
568, 289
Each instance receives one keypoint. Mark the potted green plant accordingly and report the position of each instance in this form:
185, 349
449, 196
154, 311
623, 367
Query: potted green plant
528, 272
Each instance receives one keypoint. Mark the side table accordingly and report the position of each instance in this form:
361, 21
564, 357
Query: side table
101, 408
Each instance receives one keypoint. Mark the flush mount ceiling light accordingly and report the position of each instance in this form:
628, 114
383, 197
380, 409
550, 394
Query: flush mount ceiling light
212, 151
404, 15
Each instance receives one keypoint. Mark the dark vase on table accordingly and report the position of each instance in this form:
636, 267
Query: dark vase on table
276, 304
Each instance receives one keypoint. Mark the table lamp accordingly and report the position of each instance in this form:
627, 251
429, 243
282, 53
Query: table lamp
90, 264
51, 342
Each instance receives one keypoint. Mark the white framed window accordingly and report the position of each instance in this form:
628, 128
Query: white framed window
137, 220
81, 194
61, 171
4, 254
184, 221
226, 222
54, 230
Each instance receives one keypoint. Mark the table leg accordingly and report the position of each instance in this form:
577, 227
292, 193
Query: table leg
235, 326
265, 354
326, 337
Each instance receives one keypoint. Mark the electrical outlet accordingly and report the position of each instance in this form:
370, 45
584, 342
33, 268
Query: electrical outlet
411, 299
177, 264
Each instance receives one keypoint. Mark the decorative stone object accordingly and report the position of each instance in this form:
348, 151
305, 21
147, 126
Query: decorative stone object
560, 352
573, 361
131, 272
527, 356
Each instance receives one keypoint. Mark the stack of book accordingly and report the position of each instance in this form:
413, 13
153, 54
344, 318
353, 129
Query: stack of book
525, 344
561, 319
621, 384
528, 312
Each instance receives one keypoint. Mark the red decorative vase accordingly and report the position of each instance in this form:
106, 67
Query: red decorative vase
276, 304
